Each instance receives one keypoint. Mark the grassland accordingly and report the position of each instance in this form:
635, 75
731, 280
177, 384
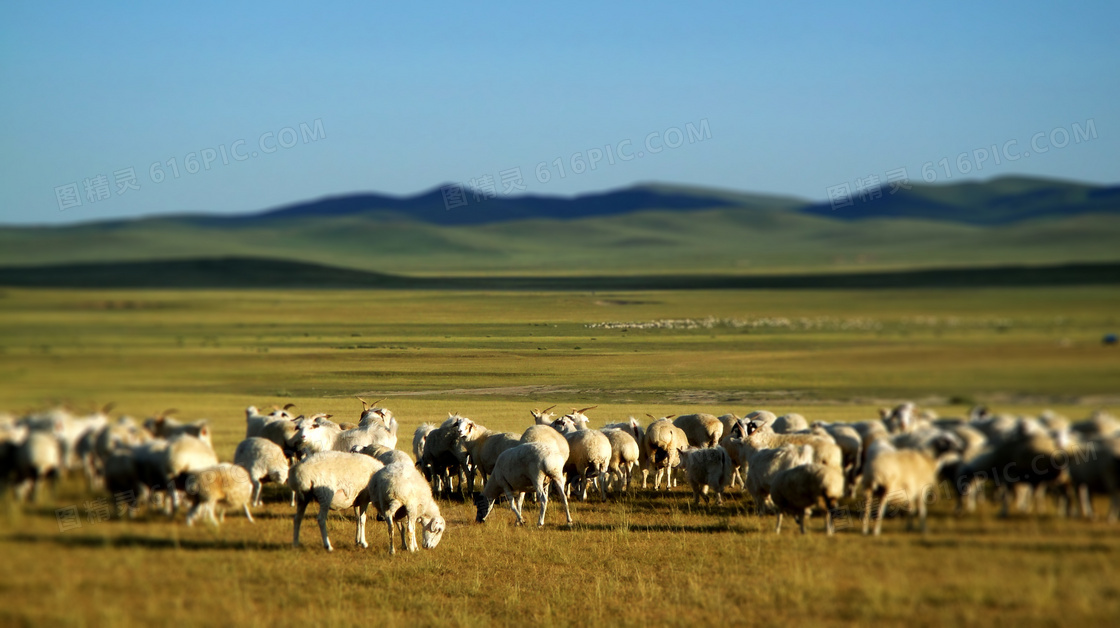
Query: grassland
643, 559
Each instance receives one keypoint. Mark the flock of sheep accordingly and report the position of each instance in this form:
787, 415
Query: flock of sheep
787, 466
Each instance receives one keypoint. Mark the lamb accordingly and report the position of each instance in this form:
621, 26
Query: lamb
529, 466
764, 464
900, 476
796, 491
664, 441
589, 455
264, 461
222, 486
707, 467
625, 454
790, 423
401, 494
825, 450
701, 430
335, 480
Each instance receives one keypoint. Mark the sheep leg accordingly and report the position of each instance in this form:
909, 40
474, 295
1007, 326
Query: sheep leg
829, 527
922, 511
256, 498
521, 501
297, 518
360, 533
513, 506
293, 498
778, 528
390, 512
559, 480
248, 515
882, 513
1086, 501
412, 546
802, 519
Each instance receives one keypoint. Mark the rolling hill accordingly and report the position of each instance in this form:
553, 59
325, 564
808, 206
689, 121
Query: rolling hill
641, 230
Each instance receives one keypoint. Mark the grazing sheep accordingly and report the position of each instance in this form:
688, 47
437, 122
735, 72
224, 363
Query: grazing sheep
707, 467
701, 430
790, 423
185, 453
529, 466
401, 494
589, 455
764, 464
625, 454
549, 436
335, 480
850, 443
797, 490
264, 461
222, 486
664, 441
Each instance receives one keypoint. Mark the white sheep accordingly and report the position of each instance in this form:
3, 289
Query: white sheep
184, 453
443, 455
702, 430
589, 455
377, 426
483, 447
419, 440
401, 495
664, 441
625, 454
825, 450
316, 434
636, 430
897, 476
529, 466
386, 455
335, 480
850, 443
264, 461
797, 490
548, 435
707, 467
764, 464
221, 486
542, 417
38, 460
790, 423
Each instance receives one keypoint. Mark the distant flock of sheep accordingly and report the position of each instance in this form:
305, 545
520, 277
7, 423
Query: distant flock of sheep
788, 466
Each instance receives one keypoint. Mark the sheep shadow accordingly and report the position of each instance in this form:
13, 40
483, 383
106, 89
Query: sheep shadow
713, 528
146, 542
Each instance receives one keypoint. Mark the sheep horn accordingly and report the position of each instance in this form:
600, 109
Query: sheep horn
365, 406
548, 408
167, 413
651, 416
669, 416
586, 409
289, 406
107, 408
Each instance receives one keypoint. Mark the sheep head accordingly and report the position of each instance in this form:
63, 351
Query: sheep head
484, 507
433, 531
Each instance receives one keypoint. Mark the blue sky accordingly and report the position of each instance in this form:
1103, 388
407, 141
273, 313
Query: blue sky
792, 99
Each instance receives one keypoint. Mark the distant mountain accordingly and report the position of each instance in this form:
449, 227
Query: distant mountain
1000, 201
643, 229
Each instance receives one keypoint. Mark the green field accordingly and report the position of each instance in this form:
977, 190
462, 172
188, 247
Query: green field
642, 559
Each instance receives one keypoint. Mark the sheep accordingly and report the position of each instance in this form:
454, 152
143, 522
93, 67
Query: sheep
529, 466
549, 436
589, 455
316, 433
386, 455
707, 467
401, 494
634, 429
255, 422
625, 454
184, 453
375, 427
900, 419
221, 486
484, 446
825, 450
12, 436
38, 459
790, 423
900, 476
1094, 467
701, 430
419, 439
264, 461
443, 453
1099, 423
335, 480
163, 426
122, 480
762, 417
542, 417
850, 443
1029, 458
284, 433
73, 429
797, 490
764, 464
664, 442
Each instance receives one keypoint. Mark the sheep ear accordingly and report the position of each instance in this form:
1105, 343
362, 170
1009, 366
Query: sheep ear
327, 416
205, 431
